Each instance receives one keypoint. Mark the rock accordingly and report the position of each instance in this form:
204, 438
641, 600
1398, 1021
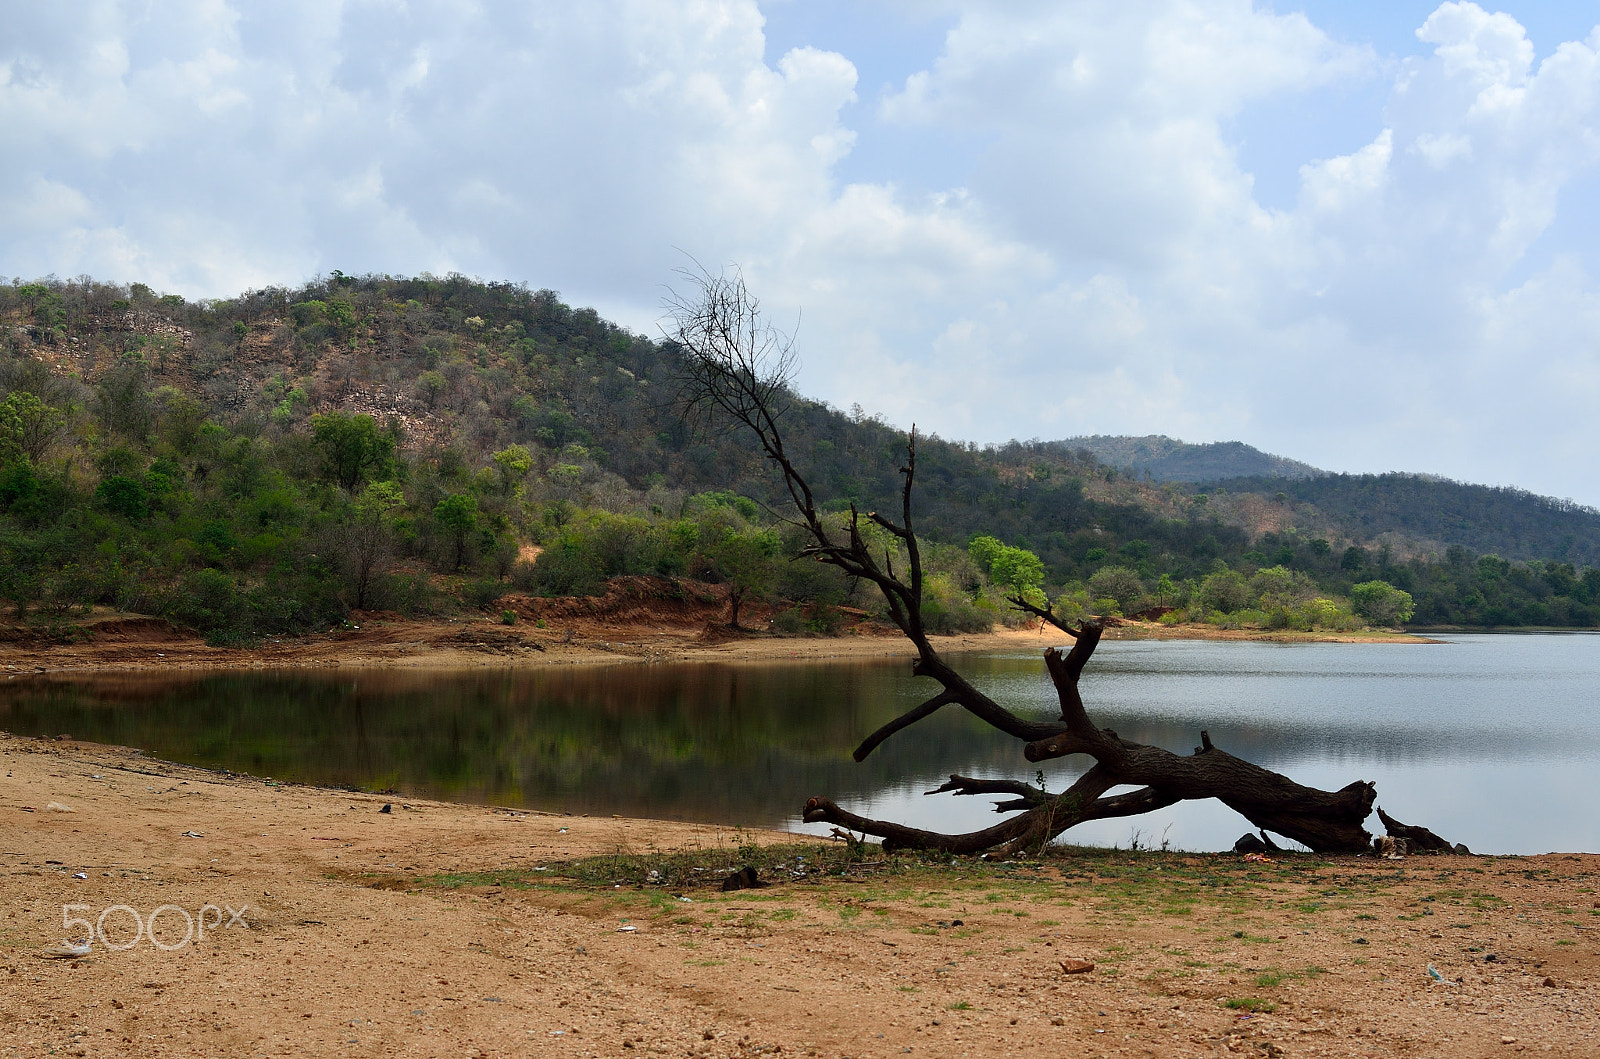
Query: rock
743, 879
1076, 966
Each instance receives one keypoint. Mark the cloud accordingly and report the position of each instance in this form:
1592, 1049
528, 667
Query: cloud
1105, 266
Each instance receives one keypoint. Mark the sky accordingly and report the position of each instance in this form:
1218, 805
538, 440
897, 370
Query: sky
1365, 235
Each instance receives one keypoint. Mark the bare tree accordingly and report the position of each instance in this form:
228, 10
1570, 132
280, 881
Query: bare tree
737, 367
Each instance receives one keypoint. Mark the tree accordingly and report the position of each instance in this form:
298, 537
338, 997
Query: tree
121, 402
1225, 590
1116, 582
1381, 603
349, 446
743, 559
366, 539
431, 384
125, 496
1015, 568
458, 514
736, 368
513, 463
28, 426
1278, 586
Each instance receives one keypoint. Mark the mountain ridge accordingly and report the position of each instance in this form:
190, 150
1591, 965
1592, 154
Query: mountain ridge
1169, 459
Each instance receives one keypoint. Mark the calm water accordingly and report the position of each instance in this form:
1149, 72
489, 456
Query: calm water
1492, 740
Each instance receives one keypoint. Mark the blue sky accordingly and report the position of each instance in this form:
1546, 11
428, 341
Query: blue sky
1359, 234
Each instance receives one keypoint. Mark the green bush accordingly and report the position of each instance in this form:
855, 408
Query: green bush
1381, 603
123, 496
946, 610
791, 621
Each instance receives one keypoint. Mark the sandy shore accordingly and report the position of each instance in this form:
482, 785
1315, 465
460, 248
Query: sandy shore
121, 642
366, 933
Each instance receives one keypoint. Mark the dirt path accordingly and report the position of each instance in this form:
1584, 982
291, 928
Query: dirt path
430, 930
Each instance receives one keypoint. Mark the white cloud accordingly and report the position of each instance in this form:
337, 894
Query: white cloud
1106, 267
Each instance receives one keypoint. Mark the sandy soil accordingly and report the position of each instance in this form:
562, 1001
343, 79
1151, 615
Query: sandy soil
569, 636
347, 943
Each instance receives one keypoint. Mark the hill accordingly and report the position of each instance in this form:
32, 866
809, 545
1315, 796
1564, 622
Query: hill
270, 461
1169, 460
1512, 523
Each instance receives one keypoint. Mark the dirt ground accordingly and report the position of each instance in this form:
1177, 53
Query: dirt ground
618, 628
333, 928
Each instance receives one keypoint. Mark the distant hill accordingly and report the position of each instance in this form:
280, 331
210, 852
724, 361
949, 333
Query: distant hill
1169, 460
1511, 523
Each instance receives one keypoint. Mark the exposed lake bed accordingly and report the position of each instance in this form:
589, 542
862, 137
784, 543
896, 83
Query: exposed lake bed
531, 922
439, 927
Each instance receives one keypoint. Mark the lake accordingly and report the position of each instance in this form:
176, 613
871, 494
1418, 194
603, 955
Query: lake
1492, 740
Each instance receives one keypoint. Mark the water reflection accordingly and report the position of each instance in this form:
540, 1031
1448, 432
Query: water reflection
1484, 739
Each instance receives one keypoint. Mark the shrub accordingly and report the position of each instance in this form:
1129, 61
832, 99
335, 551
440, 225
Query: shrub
1118, 583
123, 496
947, 610
789, 622
1381, 603
1225, 591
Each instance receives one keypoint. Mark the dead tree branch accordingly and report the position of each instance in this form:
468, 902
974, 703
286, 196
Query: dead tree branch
737, 368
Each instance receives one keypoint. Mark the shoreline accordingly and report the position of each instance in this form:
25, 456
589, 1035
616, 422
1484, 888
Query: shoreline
137, 643
439, 928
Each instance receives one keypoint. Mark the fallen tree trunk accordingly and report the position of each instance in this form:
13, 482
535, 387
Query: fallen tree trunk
736, 366
1324, 821
1418, 839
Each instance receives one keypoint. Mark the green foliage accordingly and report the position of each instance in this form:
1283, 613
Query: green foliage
557, 426
730, 551
1225, 591
458, 516
1118, 583
1381, 603
1017, 569
513, 462
28, 427
124, 496
349, 447
947, 610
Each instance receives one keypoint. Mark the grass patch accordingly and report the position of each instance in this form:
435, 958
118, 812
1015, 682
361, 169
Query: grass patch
1250, 1003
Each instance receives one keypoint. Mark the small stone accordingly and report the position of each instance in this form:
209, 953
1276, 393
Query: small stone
1508, 1040
1550, 983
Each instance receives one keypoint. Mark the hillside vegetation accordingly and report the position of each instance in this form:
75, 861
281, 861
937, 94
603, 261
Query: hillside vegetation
1513, 523
1168, 460
265, 464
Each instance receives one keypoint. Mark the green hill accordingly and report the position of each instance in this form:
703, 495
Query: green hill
1512, 523
1168, 460
268, 461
